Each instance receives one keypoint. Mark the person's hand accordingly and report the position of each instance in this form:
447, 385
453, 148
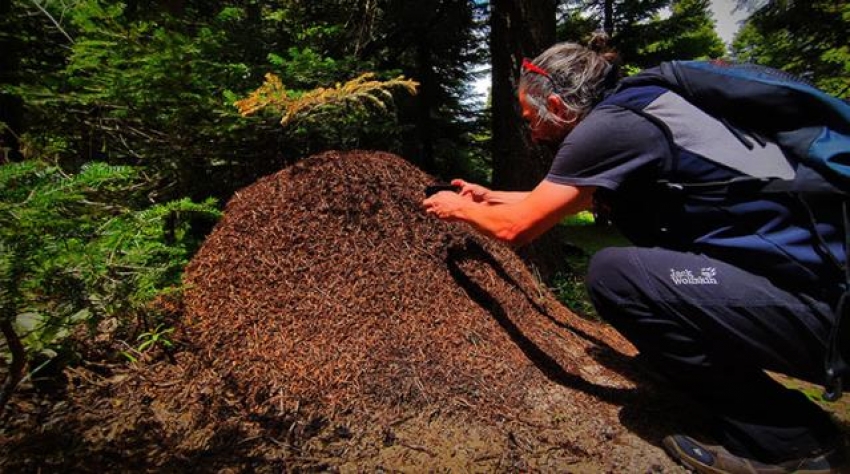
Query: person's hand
445, 205
476, 192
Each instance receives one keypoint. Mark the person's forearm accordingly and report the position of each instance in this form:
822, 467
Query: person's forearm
505, 197
521, 222
497, 222
517, 222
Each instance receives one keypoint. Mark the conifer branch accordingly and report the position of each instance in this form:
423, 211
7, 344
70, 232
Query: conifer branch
53, 20
361, 91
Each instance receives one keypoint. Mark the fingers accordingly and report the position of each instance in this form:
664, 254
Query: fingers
466, 189
432, 208
431, 205
436, 205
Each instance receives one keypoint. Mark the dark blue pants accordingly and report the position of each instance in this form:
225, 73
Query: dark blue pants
712, 328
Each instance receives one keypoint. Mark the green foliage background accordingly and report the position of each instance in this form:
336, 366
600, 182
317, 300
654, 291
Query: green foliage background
808, 39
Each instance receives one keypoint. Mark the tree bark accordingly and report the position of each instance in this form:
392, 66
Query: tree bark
11, 106
609, 18
424, 100
16, 367
518, 29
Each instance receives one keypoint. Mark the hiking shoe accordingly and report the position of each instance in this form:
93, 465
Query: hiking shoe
708, 459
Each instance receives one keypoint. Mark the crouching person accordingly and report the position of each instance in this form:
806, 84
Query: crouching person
717, 289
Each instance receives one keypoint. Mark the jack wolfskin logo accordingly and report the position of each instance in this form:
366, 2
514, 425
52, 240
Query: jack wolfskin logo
687, 277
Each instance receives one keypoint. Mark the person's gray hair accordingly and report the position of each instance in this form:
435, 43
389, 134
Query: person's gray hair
576, 73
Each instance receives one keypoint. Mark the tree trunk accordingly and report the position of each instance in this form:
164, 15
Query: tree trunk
16, 367
609, 18
518, 29
11, 106
424, 100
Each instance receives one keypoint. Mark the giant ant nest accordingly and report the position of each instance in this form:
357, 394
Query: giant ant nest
330, 325
326, 284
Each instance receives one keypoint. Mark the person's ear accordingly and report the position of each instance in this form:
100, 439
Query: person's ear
556, 106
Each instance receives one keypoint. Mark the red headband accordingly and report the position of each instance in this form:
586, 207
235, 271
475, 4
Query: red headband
529, 66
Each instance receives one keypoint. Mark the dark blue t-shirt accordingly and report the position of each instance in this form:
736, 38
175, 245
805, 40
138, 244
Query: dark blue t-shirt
627, 156
607, 147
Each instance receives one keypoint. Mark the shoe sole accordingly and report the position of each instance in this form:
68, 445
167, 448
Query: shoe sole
676, 453
682, 458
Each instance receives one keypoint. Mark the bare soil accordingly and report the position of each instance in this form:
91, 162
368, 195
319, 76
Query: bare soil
329, 325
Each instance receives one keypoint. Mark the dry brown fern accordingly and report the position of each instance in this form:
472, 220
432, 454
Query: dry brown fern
361, 90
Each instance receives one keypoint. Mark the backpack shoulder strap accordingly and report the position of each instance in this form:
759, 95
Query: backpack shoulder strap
624, 102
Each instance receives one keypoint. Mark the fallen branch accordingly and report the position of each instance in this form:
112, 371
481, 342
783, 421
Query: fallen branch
19, 362
417, 447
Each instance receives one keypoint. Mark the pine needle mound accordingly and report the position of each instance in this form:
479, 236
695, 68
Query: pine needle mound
329, 325
326, 285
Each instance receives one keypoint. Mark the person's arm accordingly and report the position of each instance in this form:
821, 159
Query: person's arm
483, 195
506, 197
514, 223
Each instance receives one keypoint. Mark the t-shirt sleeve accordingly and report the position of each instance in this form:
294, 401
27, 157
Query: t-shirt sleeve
606, 147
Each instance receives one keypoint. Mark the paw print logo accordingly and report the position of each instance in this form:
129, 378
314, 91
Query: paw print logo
708, 272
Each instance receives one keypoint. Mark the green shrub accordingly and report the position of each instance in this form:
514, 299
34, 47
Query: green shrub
87, 246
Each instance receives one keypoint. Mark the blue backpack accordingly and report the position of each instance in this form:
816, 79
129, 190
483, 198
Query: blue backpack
811, 127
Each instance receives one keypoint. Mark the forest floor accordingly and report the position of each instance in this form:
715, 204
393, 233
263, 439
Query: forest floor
93, 422
324, 333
